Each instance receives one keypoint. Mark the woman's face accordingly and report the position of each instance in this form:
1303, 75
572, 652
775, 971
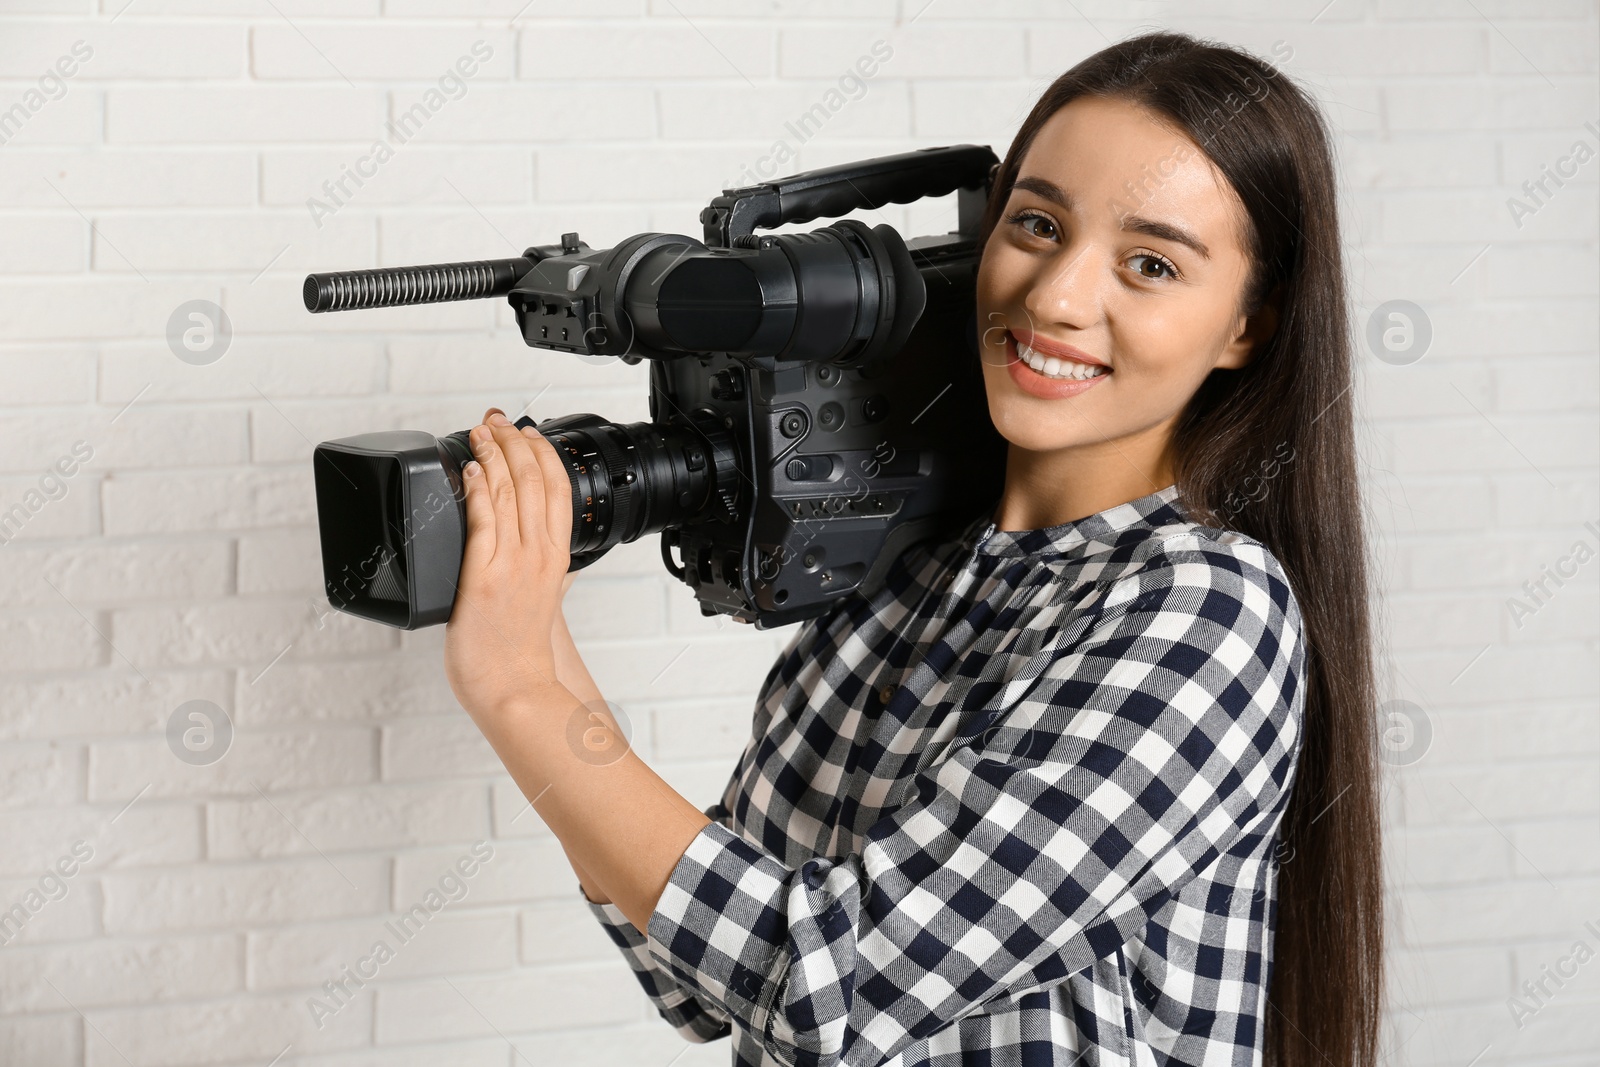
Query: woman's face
1118, 254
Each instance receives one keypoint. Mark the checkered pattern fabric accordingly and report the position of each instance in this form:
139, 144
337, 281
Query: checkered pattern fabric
1018, 808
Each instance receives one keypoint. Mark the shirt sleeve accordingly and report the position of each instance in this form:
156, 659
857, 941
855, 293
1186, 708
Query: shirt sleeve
1158, 729
697, 1017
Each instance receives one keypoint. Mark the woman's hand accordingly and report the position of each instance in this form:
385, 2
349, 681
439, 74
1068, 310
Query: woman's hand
498, 644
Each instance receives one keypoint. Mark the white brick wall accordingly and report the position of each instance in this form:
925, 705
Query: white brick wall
181, 562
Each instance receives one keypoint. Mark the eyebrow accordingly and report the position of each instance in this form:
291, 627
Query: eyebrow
1165, 231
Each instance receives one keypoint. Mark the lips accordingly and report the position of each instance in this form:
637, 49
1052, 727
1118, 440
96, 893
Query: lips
1051, 370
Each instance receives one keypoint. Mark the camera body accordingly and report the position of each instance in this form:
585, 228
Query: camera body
849, 466
816, 401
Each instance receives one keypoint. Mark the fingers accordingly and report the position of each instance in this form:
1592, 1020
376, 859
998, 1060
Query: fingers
502, 492
481, 539
557, 488
526, 477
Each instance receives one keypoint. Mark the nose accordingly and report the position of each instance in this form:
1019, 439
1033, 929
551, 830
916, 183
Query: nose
1066, 290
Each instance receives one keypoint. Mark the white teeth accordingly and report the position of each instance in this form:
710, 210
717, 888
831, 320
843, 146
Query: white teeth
1058, 368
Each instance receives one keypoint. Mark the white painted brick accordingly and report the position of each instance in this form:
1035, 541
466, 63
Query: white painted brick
487, 1053
101, 973
665, 49
254, 1027
101, 573
45, 1040
1446, 975
72, 917
321, 52
450, 942
191, 142
1507, 104
861, 107
255, 762
350, 689
241, 115
245, 8
685, 729
251, 368
1545, 49
1580, 379
143, 436
1519, 910
253, 632
129, 49
1453, 855
248, 243
1555, 848
259, 827
133, 178
70, 119
582, 172
1524, 499
449, 233
281, 561
228, 896
700, 782
539, 111
48, 375
614, 609
517, 873
113, 701
672, 668
578, 996
563, 931
43, 774
146, 833
44, 244
436, 747
1469, 795
980, 112
413, 175
532, 11
211, 500
83, 309
34, 508
54, 638
428, 366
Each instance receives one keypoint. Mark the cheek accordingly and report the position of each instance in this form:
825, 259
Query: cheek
1171, 341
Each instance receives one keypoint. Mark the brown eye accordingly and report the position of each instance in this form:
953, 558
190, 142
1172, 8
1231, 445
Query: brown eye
1153, 267
1034, 225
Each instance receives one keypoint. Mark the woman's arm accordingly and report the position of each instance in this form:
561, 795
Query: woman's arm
575, 678
624, 824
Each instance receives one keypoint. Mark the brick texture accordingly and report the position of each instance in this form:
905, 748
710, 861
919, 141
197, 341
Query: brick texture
184, 157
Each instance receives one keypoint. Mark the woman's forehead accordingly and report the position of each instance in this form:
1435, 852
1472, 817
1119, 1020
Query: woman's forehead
1115, 157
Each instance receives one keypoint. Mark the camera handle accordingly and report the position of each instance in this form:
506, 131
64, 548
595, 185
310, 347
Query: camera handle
871, 183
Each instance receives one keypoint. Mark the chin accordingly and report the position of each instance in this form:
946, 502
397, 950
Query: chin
1026, 430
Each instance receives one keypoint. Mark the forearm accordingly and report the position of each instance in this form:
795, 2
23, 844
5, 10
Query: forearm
575, 677
621, 824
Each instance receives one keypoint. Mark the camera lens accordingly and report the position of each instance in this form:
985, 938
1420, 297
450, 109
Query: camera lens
392, 524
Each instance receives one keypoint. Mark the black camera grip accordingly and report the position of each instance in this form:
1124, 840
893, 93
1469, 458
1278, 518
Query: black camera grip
871, 183
830, 192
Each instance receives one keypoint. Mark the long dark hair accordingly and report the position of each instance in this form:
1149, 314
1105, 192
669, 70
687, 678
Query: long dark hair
1269, 450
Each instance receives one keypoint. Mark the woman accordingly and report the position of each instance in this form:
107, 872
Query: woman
1092, 782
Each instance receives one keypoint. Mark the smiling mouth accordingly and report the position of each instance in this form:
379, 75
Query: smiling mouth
1066, 370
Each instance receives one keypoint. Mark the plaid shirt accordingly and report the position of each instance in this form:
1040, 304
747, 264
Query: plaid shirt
1019, 808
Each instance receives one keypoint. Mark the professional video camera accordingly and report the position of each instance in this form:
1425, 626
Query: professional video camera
816, 402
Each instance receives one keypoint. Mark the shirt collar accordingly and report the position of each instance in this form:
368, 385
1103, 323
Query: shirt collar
1157, 509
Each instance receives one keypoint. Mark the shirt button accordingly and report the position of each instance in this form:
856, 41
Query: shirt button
886, 693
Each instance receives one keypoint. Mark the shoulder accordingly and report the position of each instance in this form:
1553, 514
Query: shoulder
1217, 573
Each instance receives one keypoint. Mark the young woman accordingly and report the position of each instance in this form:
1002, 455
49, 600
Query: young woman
1093, 782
